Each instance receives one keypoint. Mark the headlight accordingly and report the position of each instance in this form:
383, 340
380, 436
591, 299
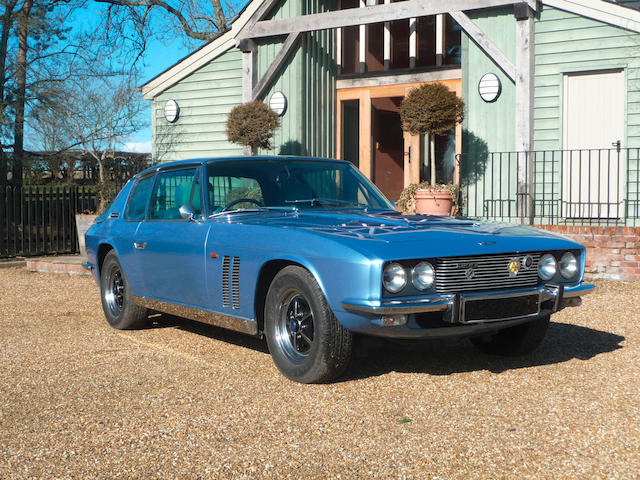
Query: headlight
394, 277
568, 265
547, 267
422, 275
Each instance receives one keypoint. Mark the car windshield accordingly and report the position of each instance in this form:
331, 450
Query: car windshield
302, 184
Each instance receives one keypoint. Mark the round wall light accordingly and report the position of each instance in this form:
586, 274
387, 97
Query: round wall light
489, 87
171, 111
278, 103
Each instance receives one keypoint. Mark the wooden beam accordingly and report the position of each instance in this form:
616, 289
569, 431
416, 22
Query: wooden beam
289, 45
363, 16
525, 56
439, 39
486, 44
387, 41
261, 12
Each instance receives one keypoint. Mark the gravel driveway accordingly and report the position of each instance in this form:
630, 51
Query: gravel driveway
183, 400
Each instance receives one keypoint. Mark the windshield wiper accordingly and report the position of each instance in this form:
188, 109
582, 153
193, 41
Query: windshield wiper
250, 210
328, 201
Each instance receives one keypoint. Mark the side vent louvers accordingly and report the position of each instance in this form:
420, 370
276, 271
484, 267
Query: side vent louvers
235, 282
225, 281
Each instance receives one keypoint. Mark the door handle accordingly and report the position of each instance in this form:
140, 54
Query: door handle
140, 245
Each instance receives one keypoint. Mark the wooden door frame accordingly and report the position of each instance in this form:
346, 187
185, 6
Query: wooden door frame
364, 96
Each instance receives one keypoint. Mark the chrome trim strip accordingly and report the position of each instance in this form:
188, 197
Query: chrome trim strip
212, 318
436, 304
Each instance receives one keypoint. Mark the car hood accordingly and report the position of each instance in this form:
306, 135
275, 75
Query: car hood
412, 234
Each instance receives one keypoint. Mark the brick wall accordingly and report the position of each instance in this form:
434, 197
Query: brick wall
613, 253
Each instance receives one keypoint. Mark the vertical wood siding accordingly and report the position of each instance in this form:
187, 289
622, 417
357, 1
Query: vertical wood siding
308, 82
567, 43
205, 98
488, 126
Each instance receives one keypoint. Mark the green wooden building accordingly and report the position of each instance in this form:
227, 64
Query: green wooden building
552, 92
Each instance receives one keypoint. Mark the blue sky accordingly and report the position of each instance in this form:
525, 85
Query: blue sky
157, 58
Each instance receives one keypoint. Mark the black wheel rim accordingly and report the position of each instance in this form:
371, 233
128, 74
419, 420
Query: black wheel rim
114, 293
294, 327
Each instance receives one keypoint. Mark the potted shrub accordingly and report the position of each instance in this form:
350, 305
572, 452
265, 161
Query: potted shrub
431, 109
423, 197
252, 125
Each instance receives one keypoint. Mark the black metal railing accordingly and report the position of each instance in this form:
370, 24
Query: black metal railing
578, 187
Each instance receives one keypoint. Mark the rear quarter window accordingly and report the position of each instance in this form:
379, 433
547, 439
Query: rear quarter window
139, 199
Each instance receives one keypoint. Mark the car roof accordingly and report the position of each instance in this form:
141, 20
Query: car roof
201, 161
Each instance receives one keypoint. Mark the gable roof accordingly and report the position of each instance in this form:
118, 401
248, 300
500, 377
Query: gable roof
602, 10
200, 57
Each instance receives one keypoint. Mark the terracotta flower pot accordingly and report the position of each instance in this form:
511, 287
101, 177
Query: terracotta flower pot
433, 202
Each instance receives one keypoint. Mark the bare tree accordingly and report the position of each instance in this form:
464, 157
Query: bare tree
102, 113
202, 20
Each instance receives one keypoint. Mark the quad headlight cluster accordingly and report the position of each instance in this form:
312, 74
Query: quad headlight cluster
395, 277
549, 266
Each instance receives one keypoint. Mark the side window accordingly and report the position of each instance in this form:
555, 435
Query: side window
171, 190
224, 190
139, 199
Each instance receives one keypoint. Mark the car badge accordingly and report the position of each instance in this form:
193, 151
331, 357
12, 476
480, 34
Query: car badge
514, 267
469, 273
527, 262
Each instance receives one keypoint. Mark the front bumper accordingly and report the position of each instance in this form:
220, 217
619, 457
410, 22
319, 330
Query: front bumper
551, 298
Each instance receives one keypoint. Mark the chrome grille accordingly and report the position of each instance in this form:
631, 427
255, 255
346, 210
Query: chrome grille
490, 272
225, 281
235, 282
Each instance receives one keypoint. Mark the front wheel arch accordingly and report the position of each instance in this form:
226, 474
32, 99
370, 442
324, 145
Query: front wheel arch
267, 273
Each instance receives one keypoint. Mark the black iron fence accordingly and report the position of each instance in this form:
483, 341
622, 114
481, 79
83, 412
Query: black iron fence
41, 220
577, 187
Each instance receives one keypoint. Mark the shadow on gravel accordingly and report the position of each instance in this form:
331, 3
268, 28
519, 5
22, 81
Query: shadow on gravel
562, 343
162, 320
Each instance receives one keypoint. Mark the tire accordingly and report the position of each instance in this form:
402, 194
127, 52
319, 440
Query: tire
306, 341
117, 302
514, 341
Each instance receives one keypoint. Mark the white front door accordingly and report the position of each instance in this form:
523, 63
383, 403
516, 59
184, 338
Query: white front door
593, 124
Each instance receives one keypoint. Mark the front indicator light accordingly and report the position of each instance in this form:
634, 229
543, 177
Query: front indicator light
390, 321
423, 275
568, 265
547, 267
394, 277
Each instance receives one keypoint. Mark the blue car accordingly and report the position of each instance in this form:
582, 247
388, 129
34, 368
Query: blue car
309, 253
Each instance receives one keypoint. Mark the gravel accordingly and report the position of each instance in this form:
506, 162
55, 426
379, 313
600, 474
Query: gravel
183, 400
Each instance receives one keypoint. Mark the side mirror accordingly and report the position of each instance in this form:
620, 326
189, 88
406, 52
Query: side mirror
187, 212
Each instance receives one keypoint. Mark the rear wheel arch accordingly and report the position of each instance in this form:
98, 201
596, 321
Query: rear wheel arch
103, 249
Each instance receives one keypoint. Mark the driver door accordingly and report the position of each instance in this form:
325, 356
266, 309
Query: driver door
171, 250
